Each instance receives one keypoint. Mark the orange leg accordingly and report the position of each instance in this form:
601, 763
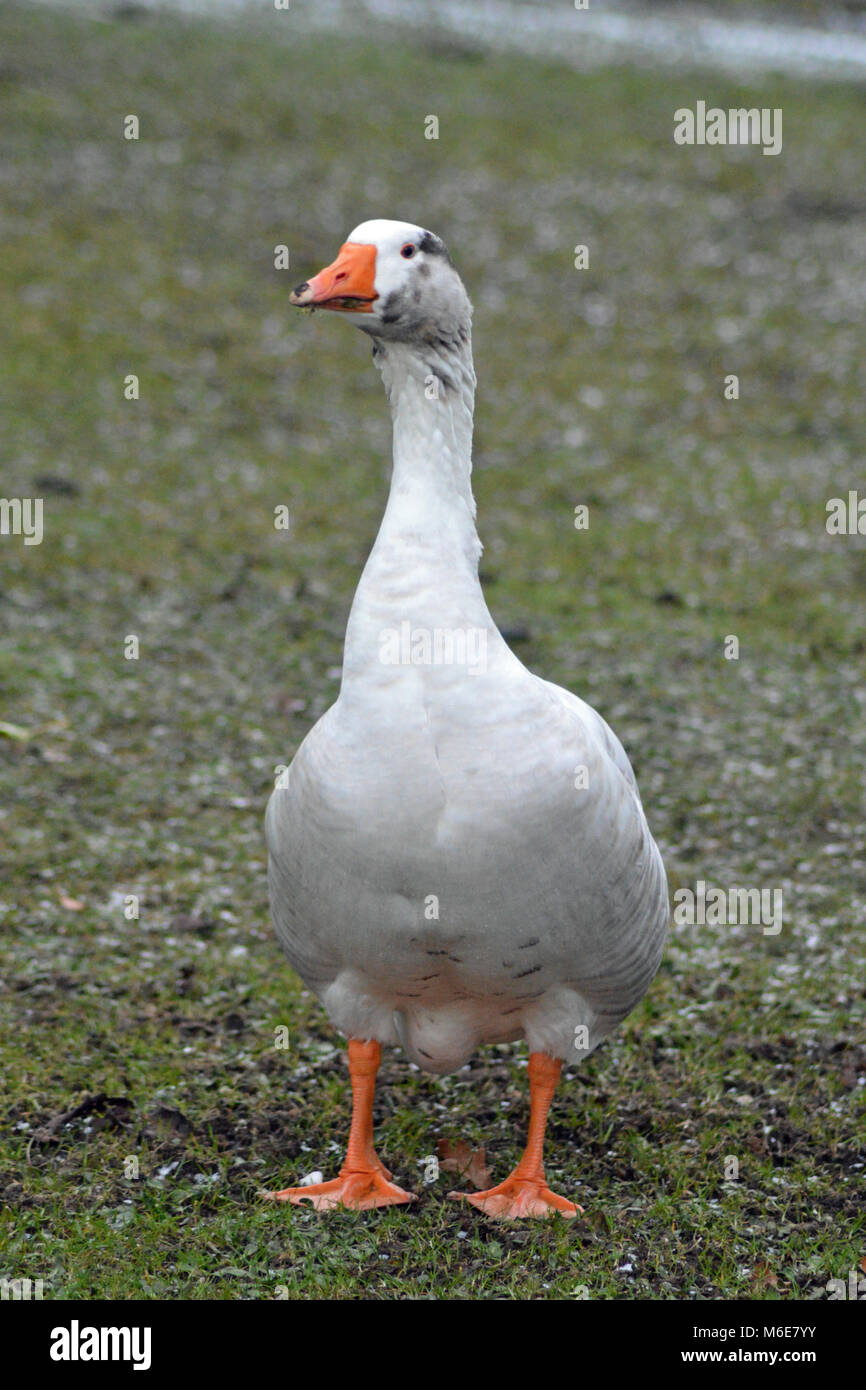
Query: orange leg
363, 1180
525, 1192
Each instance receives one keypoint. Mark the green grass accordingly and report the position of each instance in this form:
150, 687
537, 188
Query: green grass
150, 777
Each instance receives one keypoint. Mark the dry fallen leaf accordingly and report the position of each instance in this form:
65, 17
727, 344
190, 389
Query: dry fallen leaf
467, 1163
764, 1278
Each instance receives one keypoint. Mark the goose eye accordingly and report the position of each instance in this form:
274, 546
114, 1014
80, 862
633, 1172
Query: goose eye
408, 251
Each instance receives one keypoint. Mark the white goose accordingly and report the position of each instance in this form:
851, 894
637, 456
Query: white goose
460, 855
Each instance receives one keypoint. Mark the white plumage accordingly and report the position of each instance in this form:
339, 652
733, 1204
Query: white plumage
460, 855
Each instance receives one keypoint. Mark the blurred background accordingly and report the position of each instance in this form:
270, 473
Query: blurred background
154, 1037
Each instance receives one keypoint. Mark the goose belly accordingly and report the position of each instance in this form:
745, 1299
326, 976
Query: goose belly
441, 922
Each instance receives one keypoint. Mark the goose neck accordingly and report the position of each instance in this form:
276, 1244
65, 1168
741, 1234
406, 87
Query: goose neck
431, 393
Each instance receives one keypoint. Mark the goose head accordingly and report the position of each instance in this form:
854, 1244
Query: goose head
398, 283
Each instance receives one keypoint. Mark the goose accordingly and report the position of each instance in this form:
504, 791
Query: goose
458, 854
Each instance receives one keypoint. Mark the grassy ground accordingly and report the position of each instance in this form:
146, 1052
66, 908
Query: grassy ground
707, 519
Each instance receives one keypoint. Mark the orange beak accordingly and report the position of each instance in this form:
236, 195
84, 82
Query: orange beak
347, 285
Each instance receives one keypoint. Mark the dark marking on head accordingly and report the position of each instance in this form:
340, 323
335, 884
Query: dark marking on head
533, 970
533, 941
434, 246
392, 307
434, 313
